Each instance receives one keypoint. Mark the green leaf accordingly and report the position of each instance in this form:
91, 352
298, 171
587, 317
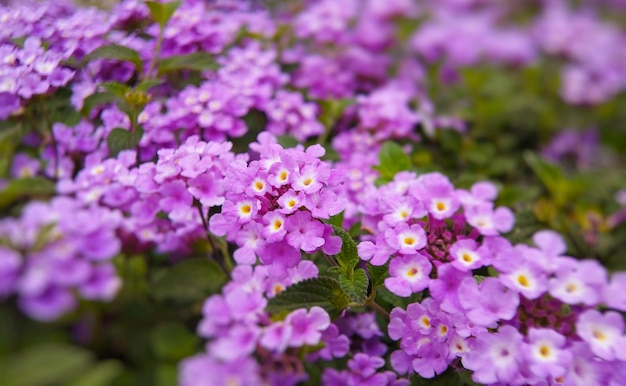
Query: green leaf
551, 176
188, 281
348, 257
378, 274
162, 12
392, 159
10, 138
97, 99
172, 342
287, 141
102, 374
116, 88
147, 84
197, 61
355, 287
121, 139
24, 187
45, 364
332, 109
323, 292
115, 52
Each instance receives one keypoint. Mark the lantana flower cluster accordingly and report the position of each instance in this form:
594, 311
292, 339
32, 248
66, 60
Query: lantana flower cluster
339, 77
274, 206
238, 326
165, 204
55, 251
529, 323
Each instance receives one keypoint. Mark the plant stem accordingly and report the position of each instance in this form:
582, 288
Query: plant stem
157, 53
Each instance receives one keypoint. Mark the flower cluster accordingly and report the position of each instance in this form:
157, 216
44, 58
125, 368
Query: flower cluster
29, 71
238, 326
528, 324
55, 250
183, 184
274, 205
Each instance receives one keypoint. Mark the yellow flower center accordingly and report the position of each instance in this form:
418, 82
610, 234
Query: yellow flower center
523, 281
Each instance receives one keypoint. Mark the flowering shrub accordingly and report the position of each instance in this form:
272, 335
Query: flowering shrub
225, 192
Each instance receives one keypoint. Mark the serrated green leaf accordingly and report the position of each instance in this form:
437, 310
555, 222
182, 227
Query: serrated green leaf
93, 100
115, 52
323, 292
103, 374
348, 257
172, 342
121, 139
392, 159
378, 274
335, 270
188, 281
44, 364
162, 12
197, 61
355, 287
25, 187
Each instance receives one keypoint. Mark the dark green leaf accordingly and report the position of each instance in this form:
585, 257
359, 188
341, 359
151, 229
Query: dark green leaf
287, 141
173, 342
355, 287
348, 257
115, 52
45, 364
121, 139
323, 292
162, 12
378, 274
335, 270
197, 61
24, 187
166, 375
102, 374
392, 159
188, 281
97, 99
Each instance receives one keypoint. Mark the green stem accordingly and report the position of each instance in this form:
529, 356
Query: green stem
157, 53
376, 307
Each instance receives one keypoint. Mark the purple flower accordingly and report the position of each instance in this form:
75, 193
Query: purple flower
546, 353
9, 103
603, 333
48, 305
488, 221
408, 274
496, 357
446, 287
303, 232
615, 292
307, 327
468, 255
438, 195
406, 239
488, 302
578, 281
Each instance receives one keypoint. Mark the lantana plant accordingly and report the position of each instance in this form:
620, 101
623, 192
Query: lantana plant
230, 192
